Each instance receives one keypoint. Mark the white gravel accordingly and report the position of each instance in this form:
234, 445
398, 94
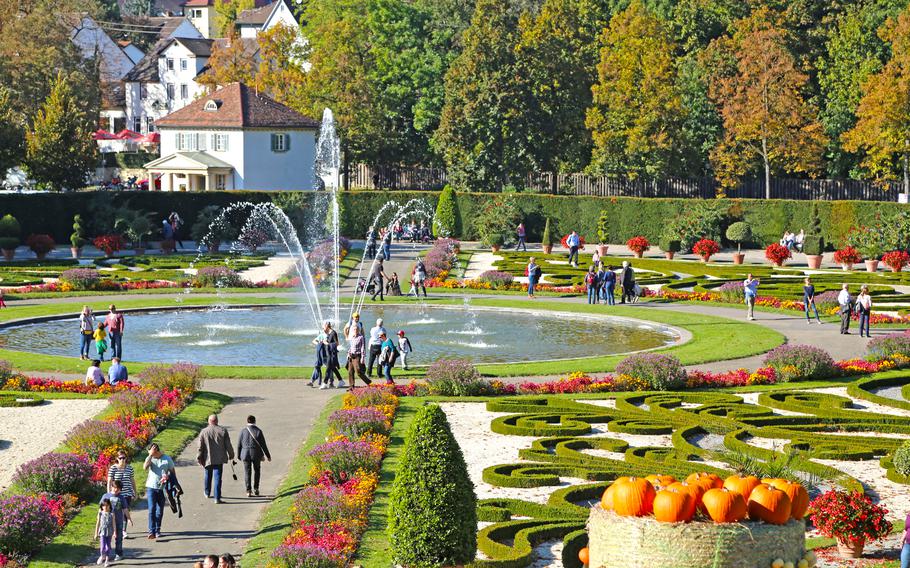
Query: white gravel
28, 432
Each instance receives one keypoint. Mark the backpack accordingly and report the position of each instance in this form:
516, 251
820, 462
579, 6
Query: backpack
590, 278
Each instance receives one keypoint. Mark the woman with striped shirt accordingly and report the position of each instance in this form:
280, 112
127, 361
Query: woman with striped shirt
122, 471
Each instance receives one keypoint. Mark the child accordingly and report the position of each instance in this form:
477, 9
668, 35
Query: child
121, 513
104, 530
100, 343
404, 346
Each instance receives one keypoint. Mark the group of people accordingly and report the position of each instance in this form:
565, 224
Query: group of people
412, 232
213, 561
601, 281
111, 327
384, 241
381, 284
378, 349
793, 241
170, 228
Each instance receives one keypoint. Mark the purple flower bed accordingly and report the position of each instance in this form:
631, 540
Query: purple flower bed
92, 437
56, 474
26, 523
799, 362
319, 504
183, 376
218, 276
662, 372
307, 555
885, 346
355, 422
731, 291
439, 259
496, 278
134, 402
456, 377
342, 458
81, 278
826, 300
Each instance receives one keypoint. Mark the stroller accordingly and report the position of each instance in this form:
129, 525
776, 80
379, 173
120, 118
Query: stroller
361, 285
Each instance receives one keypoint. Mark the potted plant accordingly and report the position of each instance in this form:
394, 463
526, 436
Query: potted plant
208, 233
603, 233
870, 242
546, 241
670, 245
638, 245
847, 257
496, 220
850, 518
814, 243
136, 225
109, 244
706, 248
40, 244
9, 236
77, 238
896, 260
739, 232
494, 240
777, 254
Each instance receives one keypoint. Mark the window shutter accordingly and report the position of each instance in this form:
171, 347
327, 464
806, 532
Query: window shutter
214, 141
201, 142
274, 142
224, 138
287, 142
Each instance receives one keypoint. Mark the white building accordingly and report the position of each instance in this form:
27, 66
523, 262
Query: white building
93, 42
250, 23
236, 138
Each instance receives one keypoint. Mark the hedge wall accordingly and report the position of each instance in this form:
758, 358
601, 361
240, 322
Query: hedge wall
628, 216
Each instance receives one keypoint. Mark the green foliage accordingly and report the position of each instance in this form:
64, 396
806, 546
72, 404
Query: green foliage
10, 232
814, 243
702, 221
547, 237
669, 243
77, 238
496, 219
603, 227
739, 232
446, 221
432, 506
12, 133
901, 459
206, 231
136, 225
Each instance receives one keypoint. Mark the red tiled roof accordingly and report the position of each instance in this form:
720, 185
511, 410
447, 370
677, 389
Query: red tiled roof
238, 106
198, 3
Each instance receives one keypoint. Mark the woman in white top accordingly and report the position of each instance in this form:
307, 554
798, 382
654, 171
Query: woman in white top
86, 328
94, 375
864, 307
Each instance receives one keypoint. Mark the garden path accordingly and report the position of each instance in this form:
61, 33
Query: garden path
286, 410
402, 263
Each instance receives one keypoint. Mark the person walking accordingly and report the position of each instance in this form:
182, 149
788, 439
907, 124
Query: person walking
356, 357
94, 375
252, 449
591, 285
176, 225
809, 300
122, 472
521, 238
86, 331
378, 277
167, 230
330, 353
319, 342
121, 510
627, 281
387, 358
609, 286
405, 348
215, 450
117, 373
376, 340
533, 272
387, 245
845, 308
419, 279
864, 307
104, 530
573, 242
750, 292
159, 467
115, 327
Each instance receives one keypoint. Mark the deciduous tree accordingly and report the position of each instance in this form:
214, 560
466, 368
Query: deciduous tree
227, 12
282, 59
11, 133
231, 61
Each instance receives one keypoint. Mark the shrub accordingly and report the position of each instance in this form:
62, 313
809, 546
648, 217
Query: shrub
827, 300
27, 522
847, 255
603, 227
77, 238
701, 220
355, 422
40, 244
210, 229
638, 245
896, 259
901, 459
253, 238
869, 241
662, 372
10, 230
342, 458
739, 232
445, 222
218, 277
56, 474
92, 437
439, 258
185, 377
81, 278
432, 505
109, 244
6, 373
884, 346
455, 377
496, 278
547, 237
777, 254
813, 245
670, 244
706, 248
322, 504
800, 362
134, 402
732, 292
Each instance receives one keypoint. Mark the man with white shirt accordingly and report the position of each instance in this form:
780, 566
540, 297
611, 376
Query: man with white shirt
376, 334
846, 309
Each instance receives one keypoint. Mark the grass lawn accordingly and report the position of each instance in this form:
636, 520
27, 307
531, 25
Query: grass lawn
276, 519
72, 546
739, 339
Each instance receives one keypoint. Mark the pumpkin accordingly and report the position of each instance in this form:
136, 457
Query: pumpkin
658, 480
606, 501
724, 506
706, 480
799, 497
779, 563
769, 504
583, 555
633, 497
742, 485
788, 564
673, 506
802, 563
695, 491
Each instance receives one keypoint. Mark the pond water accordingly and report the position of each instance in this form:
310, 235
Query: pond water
277, 336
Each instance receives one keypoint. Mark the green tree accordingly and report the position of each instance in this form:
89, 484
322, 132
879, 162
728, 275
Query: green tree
882, 131
768, 123
446, 220
12, 136
227, 12
637, 113
230, 62
59, 146
281, 70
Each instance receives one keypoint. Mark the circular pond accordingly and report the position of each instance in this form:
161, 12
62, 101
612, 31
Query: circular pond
278, 336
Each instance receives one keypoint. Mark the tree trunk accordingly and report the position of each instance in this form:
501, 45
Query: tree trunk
906, 175
764, 155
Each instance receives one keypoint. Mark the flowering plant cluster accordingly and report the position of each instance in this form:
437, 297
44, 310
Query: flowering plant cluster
27, 522
182, 376
800, 362
18, 382
738, 378
109, 243
441, 258
81, 278
330, 514
660, 371
638, 245
40, 244
55, 474
478, 284
496, 278
706, 248
218, 277
847, 255
849, 516
322, 256
896, 259
777, 254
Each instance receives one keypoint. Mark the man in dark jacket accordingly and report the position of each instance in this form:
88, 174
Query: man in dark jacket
627, 280
252, 449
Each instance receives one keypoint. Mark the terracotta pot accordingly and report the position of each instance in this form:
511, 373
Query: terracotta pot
669, 255
895, 268
76, 251
814, 261
851, 549
213, 247
776, 264
547, 249
846, 266
495, 248
638, 254
738, 257
871, 265
705, 257
602, 249
8, 254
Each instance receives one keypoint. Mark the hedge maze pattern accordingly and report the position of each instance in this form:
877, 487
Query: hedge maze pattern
562, 425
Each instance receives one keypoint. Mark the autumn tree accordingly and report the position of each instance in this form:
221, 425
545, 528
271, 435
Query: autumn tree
59, 146
227, 12
768, 123
882, 131
637, 111
11, 133
231, 61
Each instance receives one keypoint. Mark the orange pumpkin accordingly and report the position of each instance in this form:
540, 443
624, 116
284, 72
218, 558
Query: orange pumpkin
673, 506
724, 506
799, 497
658, 480
606, 501
706, 480
742, 485
583, 555
633, 497
695, 491
769, 504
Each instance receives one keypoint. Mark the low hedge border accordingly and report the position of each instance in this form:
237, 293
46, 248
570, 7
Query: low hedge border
524, 535
20, 400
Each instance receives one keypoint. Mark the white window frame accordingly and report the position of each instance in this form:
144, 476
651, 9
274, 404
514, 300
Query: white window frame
184, 91
169, 64
279, 142
220, 142
183, 64
170, 91
220, 182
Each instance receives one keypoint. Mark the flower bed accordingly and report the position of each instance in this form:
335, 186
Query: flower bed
330, 515
440, 259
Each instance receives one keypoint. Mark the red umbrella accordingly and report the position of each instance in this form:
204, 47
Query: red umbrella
150, 138
103, 135
127, 134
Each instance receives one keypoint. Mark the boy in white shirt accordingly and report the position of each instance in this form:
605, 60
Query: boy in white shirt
404, 346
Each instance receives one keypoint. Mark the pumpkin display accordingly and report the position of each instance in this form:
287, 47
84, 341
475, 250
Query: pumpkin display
673, 506
779, 563
633, 497
724, 505
706, 480
658, 480
606, 501
799, 497
583, 556
769, 504
742, 485
694, 490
